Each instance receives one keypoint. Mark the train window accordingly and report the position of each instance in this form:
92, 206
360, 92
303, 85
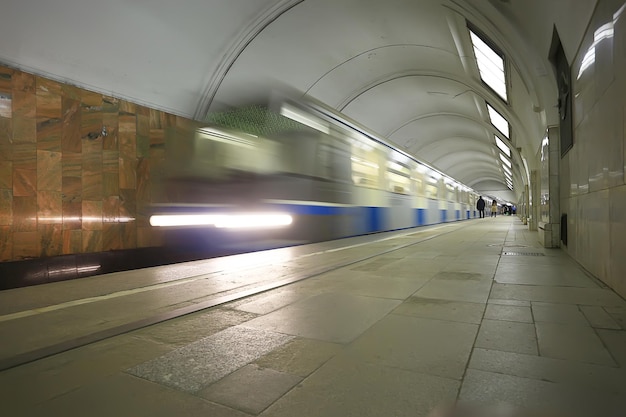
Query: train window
418, 185
365, 167
398, 178
333, 163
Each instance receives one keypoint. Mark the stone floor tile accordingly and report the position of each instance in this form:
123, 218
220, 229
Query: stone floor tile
572, 342
457, 286
599, 318
53, 376
558, 313
198, 364
551, 370
300, 356
543, 275
432, 308
509, 302
615, 341
508, 313
508, 336
250, 389
545, 398
618, 313
189, 328
557, 295
375, 286
333, 317
416, 344
126, 395
345, 387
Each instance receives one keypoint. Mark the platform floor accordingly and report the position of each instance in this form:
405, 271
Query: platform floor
386, 325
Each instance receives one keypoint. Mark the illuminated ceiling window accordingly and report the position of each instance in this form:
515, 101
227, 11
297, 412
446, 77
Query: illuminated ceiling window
499, 121
490, 65
506, 161
507, 171
503, 147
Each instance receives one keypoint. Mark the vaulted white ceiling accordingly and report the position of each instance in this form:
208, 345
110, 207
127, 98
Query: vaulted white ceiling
403, 68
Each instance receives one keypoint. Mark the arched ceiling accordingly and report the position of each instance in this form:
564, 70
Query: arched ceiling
403, 68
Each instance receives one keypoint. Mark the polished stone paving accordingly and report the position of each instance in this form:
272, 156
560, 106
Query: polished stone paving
446, 319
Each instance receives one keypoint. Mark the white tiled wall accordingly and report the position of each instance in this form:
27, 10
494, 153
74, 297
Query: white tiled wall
593, 170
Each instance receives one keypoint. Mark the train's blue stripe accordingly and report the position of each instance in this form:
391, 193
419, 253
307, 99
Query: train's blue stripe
421, 217
442, 215
373, 219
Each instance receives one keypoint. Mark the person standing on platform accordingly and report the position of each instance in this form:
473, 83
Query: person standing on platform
480, 206
494, 208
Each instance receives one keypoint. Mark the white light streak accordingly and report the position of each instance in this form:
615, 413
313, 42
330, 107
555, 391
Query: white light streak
230, 221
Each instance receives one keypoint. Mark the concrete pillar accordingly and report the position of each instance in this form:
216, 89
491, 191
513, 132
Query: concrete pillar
549, 226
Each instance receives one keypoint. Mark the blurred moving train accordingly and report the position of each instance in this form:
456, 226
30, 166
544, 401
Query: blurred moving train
312, 175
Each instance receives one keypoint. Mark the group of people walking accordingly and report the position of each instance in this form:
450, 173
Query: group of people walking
480, 206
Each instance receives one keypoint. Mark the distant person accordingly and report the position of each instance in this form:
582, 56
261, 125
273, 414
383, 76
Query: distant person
480, 206
494, 208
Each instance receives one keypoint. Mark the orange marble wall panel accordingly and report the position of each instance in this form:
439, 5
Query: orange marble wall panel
72, 215
6, 84
72, 241
6, 207
92, 215
72, 189
70, 133
111, 236
26, 245
49, 115
143, 181
111, 209
91, 118
6, 244
110, 161
128, 173
128, 203
127, 107
6, 130
127, 135
92, 241
49, 207
6, 174
157, 119
25, 156
72, 92
24, 182
24, 106
110, 118
143, 131
24, 214
78, 170
49, 170
110, 184
72, 164
49, 134
92, 169
51, 239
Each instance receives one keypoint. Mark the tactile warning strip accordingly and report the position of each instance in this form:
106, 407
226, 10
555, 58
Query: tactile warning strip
523, 254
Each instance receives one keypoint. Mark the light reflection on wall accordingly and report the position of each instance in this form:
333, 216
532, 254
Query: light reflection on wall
605, 31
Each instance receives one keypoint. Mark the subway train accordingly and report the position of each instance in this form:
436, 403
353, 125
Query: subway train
296, 173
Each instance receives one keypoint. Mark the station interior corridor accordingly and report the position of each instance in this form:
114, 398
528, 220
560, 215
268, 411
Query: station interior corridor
392, 324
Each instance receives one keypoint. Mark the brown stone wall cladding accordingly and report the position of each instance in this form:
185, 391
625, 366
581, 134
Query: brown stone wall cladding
77, 168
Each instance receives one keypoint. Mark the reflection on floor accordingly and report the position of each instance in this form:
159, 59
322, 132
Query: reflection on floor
482, 314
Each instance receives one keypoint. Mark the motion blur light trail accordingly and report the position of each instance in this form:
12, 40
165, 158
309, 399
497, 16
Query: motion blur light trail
231, 221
